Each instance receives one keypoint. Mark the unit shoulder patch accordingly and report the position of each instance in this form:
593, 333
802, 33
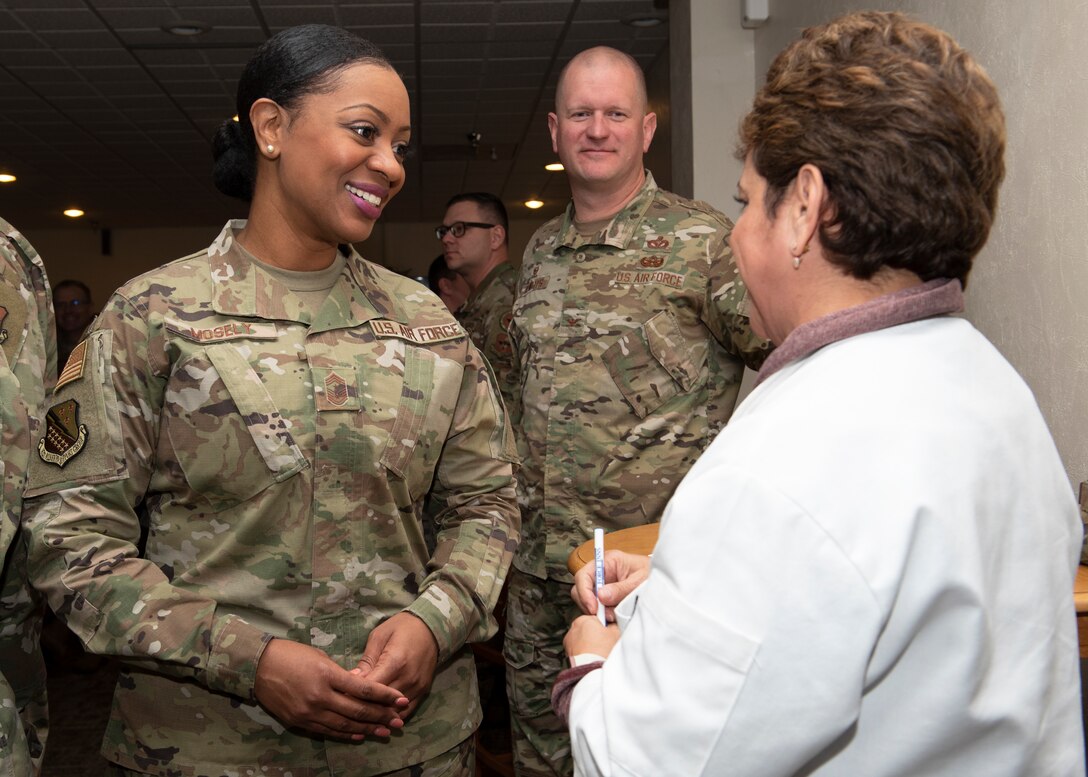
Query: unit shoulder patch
13, 316
64, 437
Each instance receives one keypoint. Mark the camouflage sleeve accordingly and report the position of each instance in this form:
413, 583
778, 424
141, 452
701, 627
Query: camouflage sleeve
500, 354
21, 610
727, 304
510, 387
89, 476
27, 371
479, 528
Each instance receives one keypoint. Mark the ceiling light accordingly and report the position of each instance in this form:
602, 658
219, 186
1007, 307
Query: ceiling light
554, 167
73, 213
643, 20
6, 178
187, 29
534, 204
235, 117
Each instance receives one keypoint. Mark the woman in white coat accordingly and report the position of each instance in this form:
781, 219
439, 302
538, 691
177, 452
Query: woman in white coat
870, 571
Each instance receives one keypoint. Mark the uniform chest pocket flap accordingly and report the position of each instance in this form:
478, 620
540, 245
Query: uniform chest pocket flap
227, 433
653, 363
408, 431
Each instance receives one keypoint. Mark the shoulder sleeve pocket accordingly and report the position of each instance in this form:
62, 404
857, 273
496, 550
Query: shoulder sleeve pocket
80, 440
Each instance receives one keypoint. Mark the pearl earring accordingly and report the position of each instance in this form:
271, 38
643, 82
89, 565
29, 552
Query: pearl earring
797, 263
270, 148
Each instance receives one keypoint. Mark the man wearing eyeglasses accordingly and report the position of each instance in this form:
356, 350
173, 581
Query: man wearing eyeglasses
74, 312
630, 331
475, 241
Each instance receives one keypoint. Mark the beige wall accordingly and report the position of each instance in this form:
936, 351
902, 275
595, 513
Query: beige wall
717, 56
1028, 292
723, 84
77, 253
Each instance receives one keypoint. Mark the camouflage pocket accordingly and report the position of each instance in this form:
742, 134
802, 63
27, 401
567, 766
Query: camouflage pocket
410, 452
652, 364
528, 684
226, 432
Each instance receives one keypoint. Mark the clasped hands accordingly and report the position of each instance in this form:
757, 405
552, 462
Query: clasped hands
304, 688
623, 573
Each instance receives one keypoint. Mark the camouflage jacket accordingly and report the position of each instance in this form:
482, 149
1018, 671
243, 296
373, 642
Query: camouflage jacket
486, 316
631, 346
28, 355
276, 461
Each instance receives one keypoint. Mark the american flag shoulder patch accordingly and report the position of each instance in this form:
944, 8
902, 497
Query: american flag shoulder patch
73, 370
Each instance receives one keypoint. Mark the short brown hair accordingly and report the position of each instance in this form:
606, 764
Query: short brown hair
907, 130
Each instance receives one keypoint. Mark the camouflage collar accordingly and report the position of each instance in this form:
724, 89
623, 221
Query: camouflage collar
619, 232
499, 270
243, 288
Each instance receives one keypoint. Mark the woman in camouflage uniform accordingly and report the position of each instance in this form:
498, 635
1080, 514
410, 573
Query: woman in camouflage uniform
273, 408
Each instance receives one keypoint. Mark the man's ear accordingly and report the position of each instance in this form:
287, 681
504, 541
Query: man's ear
553, 130
498, 237
649, 127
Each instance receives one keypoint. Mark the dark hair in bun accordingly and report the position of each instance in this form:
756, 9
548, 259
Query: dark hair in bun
290, 65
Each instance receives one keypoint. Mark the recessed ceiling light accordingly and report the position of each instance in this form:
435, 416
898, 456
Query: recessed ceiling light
554, 167
73, 213
643, 20
186, 29
6, 178
534, 204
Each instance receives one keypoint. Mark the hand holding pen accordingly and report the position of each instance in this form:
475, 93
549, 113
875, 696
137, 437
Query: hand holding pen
623, 572
598, 572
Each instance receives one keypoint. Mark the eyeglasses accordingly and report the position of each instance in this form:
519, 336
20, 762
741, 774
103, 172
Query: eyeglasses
457, 228
71, 303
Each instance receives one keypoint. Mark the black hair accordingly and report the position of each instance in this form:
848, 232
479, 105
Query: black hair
437, 271
71, 282
289, 66
491, 206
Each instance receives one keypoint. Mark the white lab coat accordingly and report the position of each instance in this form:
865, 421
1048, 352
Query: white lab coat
869, 573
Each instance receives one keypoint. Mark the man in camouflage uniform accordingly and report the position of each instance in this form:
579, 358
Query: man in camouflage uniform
631, 336
479, 255
27, 370
275, 430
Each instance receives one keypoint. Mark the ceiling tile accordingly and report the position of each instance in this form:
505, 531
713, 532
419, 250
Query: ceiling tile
135, 109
